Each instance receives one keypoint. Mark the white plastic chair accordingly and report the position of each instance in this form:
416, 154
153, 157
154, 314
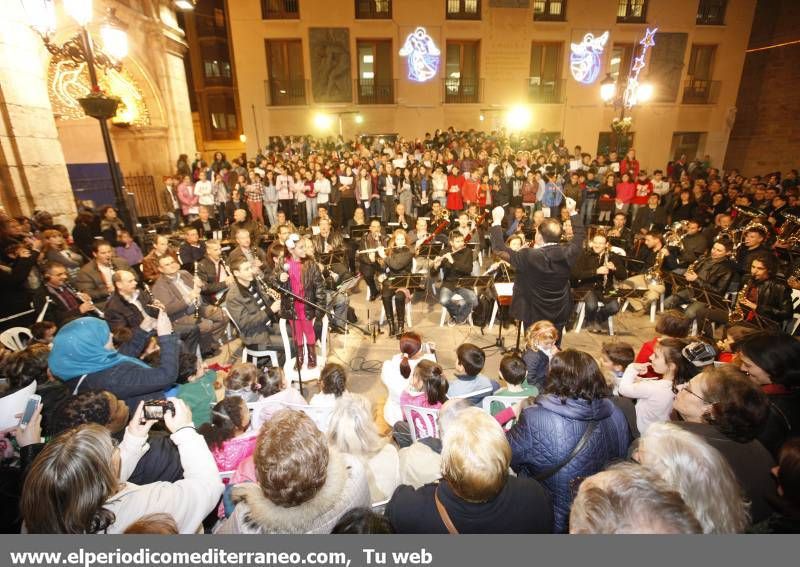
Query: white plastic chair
483, 392
505, 401
15, 338
321, 416
446, 314
796, 317
306, 373
253, 354
422, 422
581, 308
408, 313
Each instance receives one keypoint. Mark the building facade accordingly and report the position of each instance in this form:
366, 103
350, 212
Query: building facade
56, 153
477, 59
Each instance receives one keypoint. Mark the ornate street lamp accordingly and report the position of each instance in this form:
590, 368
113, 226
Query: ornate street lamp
81, 49
625, 100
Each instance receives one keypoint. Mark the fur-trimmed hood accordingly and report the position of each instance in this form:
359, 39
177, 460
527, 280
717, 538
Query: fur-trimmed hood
345, 488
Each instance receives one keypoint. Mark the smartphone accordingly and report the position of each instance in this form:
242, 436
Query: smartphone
30, 407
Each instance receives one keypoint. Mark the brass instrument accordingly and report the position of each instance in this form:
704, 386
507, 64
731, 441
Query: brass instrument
675, 233
693, 266
653, 274
789, 232
737, 314
753, 225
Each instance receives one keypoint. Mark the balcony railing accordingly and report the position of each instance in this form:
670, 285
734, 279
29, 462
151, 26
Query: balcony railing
280, 9
463, 90
286, 92
209, 26
374, 9
463, 10
547, 92
700, 91
371, 91
711, 13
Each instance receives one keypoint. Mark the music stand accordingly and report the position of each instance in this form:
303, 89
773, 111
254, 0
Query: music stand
430, 250
475, 282
408, 281
357, 232
327, 259
503, 296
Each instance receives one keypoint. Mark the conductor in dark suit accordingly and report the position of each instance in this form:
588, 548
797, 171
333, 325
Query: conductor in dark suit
542, 284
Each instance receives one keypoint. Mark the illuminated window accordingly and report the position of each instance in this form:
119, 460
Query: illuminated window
462, 83
544, 81
631, 11
620, 62
375, 84
463, 9
550, 10
222, 116
698, 87
373, 9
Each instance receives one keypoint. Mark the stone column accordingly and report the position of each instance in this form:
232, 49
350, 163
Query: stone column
33, 173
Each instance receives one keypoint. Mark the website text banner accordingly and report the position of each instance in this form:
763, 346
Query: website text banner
391, 551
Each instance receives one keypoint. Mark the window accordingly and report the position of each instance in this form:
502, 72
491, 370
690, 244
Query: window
620, 62
686, 143
549, 10
631, 11
463, 9
211, 25
698, 87
544, 83
222, 116
286, 84
711, 12
216, 63
374, 9
280, 9
462, 83
375, 84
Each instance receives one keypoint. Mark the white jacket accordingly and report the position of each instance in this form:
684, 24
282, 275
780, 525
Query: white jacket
395, 384
188, 500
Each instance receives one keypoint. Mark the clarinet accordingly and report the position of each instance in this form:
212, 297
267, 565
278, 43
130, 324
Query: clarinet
221, 295
605, 261
76, 293
197, 299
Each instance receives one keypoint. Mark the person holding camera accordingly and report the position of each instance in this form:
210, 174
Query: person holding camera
84, 357
77, 483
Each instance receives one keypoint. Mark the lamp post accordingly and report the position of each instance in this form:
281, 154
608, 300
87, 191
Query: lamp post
81, 49
623, 101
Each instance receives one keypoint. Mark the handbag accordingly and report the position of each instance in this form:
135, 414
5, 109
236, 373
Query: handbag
448, 523
544, 475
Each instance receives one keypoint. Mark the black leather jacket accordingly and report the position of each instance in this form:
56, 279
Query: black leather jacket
715, 276
585, 276
774, 300
313, 288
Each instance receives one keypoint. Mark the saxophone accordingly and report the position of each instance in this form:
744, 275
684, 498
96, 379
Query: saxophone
653, 274
737, 314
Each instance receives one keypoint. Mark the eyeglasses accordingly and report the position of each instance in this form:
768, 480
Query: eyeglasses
688, 389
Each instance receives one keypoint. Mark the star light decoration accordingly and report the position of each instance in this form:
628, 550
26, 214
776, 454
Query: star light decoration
631, 96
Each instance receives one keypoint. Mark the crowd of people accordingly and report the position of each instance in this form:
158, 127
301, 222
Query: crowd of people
132, 431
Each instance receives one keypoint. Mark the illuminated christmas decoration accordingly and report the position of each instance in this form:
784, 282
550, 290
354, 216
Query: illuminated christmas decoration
422, 55
584, 59
632, 89
69, 81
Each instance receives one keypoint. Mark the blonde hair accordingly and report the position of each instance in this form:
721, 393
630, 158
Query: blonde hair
475, 475
540, 330
351, 429
700, 474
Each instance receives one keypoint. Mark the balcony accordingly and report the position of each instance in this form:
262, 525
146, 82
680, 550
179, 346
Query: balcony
374, 9
463, 90
209, 26
371, 91
700, 91
548, 92
463, 10
280, 9
286, 92
550, 10
711, 13
631, 11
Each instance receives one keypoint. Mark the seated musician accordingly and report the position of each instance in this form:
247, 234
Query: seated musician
502, 269
192, 250
240, 222
401, 218
396, 260
694, 243
596, 270
205, 223
244, 249
650, 217
251, 307
620, 235
761, 294
656, 258
367, 261
713, 272
338, 303
419, 234
280, 221
213, 273
326, 242
282, 234
66, 303
464, 225
180, 293
322, 213
359, 220
753, 244
438, 213
456, 264
160, 248
518, 223
94, 278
